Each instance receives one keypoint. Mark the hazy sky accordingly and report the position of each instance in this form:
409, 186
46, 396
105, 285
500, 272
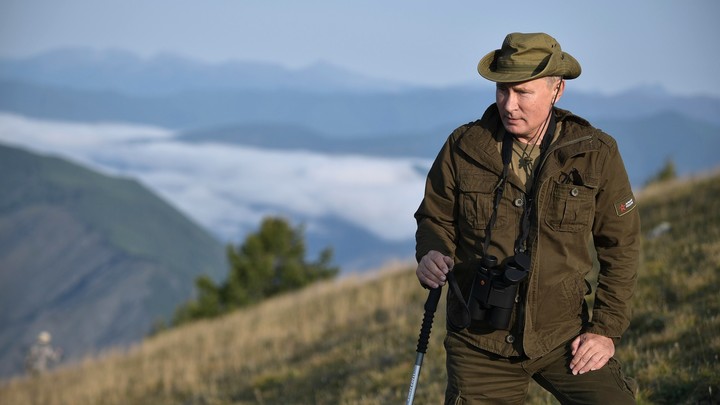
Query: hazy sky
620, 44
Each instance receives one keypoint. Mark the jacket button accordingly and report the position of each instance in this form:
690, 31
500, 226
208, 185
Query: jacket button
574, 192
519, 202
509, 338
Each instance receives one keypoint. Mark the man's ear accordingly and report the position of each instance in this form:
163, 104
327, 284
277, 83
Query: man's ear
560, 89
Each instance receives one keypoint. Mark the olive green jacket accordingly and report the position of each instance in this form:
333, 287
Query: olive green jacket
583, 198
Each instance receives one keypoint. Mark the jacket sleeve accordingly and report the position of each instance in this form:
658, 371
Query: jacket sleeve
616, 234
437, 212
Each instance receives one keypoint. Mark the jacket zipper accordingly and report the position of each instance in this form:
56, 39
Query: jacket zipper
522, 312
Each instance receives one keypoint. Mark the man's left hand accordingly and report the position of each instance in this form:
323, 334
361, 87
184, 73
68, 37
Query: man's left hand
590, 352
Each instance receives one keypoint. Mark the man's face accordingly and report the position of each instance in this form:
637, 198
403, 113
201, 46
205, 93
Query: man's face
524, 106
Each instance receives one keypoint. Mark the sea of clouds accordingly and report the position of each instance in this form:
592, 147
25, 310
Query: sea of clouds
229, 188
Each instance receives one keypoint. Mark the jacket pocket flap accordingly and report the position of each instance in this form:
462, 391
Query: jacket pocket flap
478, 184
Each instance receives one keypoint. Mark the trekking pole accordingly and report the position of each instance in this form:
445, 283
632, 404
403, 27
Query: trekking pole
430, 307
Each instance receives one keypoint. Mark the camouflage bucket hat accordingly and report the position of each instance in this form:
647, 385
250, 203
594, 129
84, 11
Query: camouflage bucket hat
528, 56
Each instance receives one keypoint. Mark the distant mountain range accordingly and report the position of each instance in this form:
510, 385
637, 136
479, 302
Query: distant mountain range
93, 259
165, 74
172, 92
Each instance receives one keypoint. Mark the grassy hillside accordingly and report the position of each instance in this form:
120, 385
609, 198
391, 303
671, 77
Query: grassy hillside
353, 341
131, 217
94, 259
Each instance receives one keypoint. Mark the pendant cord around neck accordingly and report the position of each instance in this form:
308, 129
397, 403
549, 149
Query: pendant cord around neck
507, 146
520, 243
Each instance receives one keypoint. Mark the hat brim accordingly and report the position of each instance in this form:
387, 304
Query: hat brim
567, 67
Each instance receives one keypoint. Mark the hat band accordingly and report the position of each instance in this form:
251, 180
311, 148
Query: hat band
519, 68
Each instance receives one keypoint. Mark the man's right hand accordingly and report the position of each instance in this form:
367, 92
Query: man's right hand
433, 268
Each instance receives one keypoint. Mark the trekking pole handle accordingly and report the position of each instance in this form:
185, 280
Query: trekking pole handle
430, 308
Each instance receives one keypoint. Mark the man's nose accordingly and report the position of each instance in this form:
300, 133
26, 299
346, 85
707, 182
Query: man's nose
509, 101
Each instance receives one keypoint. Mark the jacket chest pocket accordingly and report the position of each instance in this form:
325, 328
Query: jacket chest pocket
571, 207
477, 196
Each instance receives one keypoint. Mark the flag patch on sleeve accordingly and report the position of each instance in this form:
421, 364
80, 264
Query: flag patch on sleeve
625, 205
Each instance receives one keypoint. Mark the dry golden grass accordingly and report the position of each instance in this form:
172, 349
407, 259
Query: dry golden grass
676, 185
350, 341
235, 359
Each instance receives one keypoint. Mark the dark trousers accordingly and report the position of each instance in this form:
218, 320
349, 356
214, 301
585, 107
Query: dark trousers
476, 376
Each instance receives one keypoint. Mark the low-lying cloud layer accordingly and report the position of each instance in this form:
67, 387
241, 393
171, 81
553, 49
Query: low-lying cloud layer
229, 189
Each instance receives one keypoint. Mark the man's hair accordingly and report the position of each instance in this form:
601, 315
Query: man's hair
552, 80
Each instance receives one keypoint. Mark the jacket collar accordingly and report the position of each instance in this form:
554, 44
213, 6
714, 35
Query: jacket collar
577, 136
481, 138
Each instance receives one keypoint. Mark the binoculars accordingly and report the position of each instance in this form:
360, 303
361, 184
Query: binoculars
494, 291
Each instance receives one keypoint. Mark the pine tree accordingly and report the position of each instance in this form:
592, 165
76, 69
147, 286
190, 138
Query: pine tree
269, 262
667, 172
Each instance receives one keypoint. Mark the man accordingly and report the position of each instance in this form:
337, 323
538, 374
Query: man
511, 205
41, 355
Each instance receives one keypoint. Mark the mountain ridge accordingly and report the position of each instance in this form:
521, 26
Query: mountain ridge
127, 73
96, 260
181, 93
